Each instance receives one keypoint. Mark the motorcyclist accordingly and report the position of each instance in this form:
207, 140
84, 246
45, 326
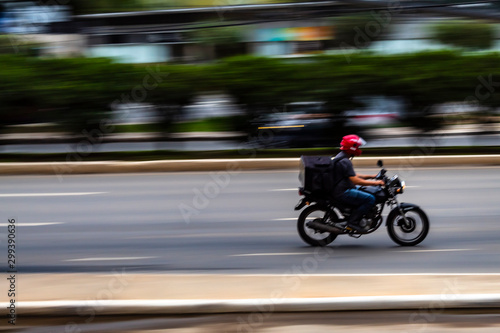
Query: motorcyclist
346, 191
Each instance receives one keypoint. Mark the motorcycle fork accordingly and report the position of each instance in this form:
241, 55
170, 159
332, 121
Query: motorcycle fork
402, 212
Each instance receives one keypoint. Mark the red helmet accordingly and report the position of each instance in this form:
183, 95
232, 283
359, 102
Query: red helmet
351, 143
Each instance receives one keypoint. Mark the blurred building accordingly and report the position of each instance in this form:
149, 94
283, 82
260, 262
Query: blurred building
276, 29
32, 23
159, 36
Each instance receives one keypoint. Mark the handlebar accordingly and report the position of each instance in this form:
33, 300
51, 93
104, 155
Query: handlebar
381, 174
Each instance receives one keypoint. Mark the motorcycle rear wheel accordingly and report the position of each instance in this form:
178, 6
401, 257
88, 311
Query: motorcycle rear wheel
411, 233
309, 235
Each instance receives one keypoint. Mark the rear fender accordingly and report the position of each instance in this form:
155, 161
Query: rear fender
301, 204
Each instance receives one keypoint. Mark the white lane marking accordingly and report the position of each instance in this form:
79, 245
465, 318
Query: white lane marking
439, 250
284, 189
110, 259
230, 234
31, 224
286, 219
270, 254
3, 195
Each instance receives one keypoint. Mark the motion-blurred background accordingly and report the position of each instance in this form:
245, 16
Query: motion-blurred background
276, 74
157, 79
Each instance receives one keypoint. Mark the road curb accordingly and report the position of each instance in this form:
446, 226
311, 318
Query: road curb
130, 293
242, 164
365, 303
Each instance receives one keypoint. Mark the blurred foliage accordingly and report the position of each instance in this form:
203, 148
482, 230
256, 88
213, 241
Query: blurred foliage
18, 44
78, 93
75, 93
359, 30
464, 34
257, 82
105, 6
423, 80
210, 33
175, 88
215, 124
226, 41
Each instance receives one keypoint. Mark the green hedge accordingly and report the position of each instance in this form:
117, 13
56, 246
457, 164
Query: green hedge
78, 93
464, 34
423, 80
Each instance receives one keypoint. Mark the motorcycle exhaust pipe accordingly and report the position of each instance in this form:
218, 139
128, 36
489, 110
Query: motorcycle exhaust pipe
323, 227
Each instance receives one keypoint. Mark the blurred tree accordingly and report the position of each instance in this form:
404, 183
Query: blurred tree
423, 80
104, 6
81, 91
176, 87
464, 34
77, 93
259, 85
360, 30
218, 42
18, 100
18, 44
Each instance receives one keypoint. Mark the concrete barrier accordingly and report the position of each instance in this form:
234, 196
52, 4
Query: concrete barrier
162, 307
114, 293
65, 168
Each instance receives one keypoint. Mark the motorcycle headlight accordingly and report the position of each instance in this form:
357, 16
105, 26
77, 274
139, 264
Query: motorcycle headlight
402, 188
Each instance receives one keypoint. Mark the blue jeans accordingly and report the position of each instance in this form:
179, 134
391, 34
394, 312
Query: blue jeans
362, 202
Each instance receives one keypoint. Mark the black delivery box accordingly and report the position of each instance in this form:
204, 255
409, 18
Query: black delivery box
316, 174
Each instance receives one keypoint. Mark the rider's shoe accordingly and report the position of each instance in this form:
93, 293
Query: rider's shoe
361, 226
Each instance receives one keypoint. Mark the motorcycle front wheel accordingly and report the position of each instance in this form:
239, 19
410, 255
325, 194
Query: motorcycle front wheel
311, 236
408, 232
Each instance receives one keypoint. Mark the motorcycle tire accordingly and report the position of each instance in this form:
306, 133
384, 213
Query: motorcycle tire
309, 235
411, 233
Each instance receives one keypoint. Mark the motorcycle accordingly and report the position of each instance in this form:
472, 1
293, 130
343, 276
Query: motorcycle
324, 218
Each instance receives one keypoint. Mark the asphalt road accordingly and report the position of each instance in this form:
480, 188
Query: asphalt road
237, 222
